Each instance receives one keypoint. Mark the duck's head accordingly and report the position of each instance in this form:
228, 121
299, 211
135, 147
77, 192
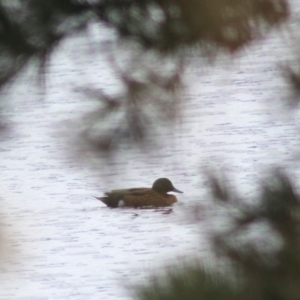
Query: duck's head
163, 186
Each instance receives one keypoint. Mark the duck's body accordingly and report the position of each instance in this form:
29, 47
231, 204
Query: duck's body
140, 197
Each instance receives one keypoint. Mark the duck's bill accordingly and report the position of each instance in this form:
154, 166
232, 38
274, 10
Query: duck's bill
177, 191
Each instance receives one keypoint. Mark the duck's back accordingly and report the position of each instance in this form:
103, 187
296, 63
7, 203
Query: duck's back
120, 194
148, 198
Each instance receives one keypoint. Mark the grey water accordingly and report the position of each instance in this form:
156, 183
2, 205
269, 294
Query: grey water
61, 243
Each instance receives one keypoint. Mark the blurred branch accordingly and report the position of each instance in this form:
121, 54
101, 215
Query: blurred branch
149, 100
292, 76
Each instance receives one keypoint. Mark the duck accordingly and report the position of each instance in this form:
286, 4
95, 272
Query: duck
157, 196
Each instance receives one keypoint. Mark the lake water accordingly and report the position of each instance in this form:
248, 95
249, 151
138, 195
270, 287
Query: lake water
59, 242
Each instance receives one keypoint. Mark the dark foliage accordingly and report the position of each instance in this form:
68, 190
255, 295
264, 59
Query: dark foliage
265, 267
188, 282
169, 25
31, 29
